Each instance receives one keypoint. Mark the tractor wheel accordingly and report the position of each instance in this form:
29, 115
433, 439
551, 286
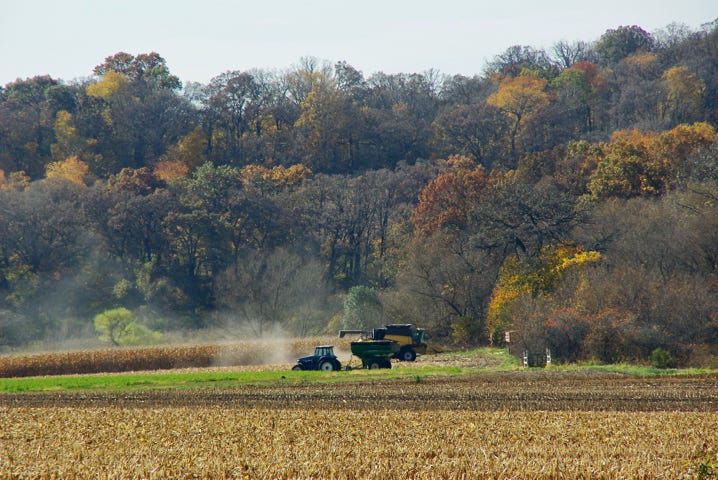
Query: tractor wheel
326, 366
407, 355
296, 367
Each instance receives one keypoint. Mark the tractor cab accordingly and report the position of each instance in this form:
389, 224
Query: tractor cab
324, 351
323, 359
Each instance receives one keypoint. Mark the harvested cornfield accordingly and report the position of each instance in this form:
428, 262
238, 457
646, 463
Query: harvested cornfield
520, 424
223, 442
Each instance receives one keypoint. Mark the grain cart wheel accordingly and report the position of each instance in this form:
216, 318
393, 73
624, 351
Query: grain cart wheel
374, 364
407, 355
326, 366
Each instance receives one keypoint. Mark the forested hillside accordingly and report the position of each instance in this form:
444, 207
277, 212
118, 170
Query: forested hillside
569, 196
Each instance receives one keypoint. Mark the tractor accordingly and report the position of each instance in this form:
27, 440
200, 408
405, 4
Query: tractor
323, 359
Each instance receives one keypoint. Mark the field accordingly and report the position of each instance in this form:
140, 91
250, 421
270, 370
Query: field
410, 422
159, 357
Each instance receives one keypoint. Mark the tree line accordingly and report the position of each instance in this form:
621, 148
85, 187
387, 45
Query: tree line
566, 196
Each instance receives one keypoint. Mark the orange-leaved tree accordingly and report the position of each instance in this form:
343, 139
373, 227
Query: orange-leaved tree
446, 200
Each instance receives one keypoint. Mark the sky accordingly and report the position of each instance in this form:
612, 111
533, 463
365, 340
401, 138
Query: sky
202, 39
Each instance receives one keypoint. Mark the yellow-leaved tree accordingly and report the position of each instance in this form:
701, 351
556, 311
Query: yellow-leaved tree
68, 141
637, 163
519, 97
324, 121
521, 278
109, 84
72, 168
183, 157
265, 180
683, 94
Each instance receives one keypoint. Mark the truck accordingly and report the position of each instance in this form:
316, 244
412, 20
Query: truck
410, 340
322, 359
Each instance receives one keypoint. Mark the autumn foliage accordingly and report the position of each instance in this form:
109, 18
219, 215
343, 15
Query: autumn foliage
263, 197
635, 163
447, 200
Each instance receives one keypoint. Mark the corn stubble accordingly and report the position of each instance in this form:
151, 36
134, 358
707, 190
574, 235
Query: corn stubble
284, 443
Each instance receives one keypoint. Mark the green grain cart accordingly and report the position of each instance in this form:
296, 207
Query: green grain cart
375, 353
409, 339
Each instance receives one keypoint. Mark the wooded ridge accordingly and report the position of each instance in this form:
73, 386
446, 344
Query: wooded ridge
568, 196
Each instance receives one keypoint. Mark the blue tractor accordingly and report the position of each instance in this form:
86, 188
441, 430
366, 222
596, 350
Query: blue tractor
323, 359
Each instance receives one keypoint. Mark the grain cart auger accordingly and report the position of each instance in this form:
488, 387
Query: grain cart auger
409, 339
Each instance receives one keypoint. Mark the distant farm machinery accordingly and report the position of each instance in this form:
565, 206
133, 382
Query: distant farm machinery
375, 348
373, 354
408, 339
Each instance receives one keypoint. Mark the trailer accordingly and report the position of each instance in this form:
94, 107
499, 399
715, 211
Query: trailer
375, 353
409, 339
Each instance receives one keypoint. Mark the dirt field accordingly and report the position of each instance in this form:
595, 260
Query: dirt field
527, 390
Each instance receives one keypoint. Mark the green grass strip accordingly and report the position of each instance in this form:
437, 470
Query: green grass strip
168, 379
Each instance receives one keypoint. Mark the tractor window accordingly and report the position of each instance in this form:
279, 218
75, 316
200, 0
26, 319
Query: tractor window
322, 351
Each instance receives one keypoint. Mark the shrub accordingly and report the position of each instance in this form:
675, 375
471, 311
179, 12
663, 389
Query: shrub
661, 358
118, 326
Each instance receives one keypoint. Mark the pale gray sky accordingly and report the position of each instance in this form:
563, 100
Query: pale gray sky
201, 39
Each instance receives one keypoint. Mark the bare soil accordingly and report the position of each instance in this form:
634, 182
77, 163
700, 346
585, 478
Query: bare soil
526, 390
